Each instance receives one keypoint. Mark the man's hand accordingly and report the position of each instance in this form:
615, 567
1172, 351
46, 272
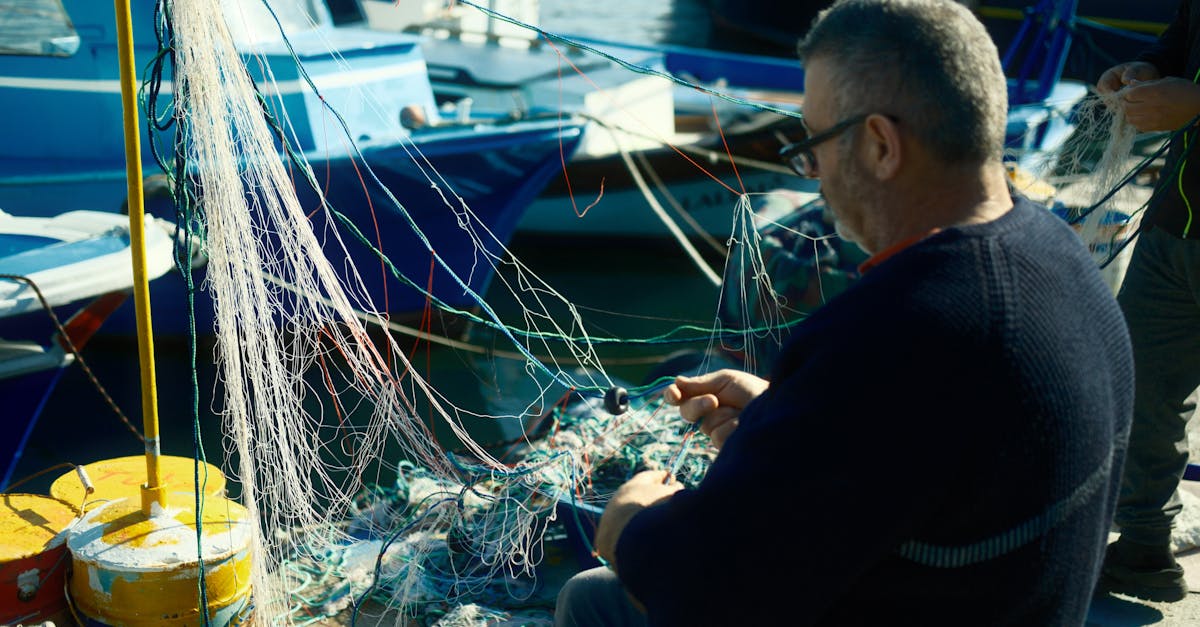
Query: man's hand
1166, 104
643, 490
716, 398
1118, 76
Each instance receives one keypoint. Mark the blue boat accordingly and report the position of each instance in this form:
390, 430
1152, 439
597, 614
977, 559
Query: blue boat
660, 98
696, 151
61, 143
75, 264
1109, 31
1106, 32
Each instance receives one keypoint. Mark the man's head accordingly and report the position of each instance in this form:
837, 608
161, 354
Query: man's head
915, 82
929, 63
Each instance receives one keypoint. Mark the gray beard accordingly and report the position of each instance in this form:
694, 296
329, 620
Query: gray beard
845, 233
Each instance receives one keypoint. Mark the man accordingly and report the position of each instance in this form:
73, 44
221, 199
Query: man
940, 443
1160, 297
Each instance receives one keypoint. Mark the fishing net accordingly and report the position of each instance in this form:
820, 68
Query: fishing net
331, 430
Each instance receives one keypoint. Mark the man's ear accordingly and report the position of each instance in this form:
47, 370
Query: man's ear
884, 151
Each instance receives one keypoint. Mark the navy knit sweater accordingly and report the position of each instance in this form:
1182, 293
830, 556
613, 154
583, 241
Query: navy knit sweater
940, 445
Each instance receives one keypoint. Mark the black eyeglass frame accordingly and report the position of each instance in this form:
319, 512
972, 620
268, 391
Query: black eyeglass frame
802, 150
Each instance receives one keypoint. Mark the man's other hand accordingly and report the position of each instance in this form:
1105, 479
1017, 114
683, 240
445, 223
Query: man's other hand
717, 398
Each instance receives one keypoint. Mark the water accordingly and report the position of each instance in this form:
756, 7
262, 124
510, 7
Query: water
682, 22
622, 289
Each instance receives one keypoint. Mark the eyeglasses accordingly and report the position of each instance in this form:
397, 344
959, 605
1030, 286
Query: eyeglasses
799, 156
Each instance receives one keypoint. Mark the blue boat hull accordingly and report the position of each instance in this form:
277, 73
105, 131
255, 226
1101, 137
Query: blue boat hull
24, 398
497, 174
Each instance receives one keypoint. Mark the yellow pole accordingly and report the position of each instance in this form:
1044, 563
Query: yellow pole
152, 491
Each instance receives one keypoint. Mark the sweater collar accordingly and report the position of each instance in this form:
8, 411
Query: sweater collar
885, 254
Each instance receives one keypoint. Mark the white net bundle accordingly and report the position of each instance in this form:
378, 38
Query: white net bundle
1102, 181
267, 337
284, 313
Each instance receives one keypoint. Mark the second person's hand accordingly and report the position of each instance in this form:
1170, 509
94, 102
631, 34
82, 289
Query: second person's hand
1165, 104
1118, 76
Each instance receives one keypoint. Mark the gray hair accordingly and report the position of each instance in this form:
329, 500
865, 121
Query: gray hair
929, 63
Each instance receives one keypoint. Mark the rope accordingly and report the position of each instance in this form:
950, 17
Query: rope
691, 251
704, 235
70, 346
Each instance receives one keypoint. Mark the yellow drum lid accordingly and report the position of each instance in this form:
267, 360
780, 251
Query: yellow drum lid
31, 524
123, 477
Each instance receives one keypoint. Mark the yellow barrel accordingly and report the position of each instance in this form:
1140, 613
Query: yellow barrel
123, 477
130, 570
33, 558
